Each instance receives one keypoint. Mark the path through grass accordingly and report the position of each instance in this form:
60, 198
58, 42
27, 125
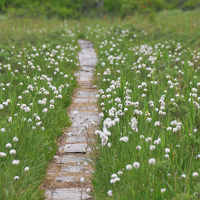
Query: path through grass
149, 93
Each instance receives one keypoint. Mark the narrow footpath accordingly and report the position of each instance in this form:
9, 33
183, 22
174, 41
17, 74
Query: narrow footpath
68, 174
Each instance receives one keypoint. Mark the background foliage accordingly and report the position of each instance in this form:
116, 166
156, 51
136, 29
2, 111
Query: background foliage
76, 8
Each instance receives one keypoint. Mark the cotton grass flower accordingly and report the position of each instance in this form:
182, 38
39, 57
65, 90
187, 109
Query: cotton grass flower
119, 172
152, 147
183, 176
110, 193
16, 178
134, 124
3, 130
88, 190
157, 123
167, 150
152, 161
166, 155
163, 190
8, 145
129, 167
136, 165
138, 147
195, 174
124, 139
2, 154
82, 180
12, 152
15, 139
26, 169
15, 162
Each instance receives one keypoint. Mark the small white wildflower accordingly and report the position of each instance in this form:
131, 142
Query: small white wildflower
163, 190
134, 124
45, 110
2, 154
195, 174
15, 139
15, 162
197, 156
51, 106
109, 193
157, 123
136, 165
12, 152
148, 139
101, 115
141, 136
169, 128
9, 145
82, 180
129, 167
16, 178
113, 175
124, 139
103, 64
152, 147
112, 181
3, 130
175, 130
26, 169
149, 119
183, 175
157, 141
88, 190
10, 119
152, 161
109, 144
138, 147
52, 101
166, 155
120, 172
167, 150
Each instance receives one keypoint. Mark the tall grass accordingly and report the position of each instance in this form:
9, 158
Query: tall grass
37, 61
148, 77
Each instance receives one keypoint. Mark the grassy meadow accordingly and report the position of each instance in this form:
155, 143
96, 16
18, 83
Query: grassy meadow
149, 93
37, 61
148, 78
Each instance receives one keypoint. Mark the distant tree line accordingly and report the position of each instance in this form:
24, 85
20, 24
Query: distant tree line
77, 8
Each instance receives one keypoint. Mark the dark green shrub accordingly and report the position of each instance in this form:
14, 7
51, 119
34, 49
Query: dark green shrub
76, 8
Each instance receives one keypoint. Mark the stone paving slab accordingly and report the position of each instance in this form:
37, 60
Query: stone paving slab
88, 61
65, 179
86, 108
72, 169
85, 100
82, 130
76, 139
87, 68
86, 94
84, 119
69, 194
67, 159
79, 124
74, 148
